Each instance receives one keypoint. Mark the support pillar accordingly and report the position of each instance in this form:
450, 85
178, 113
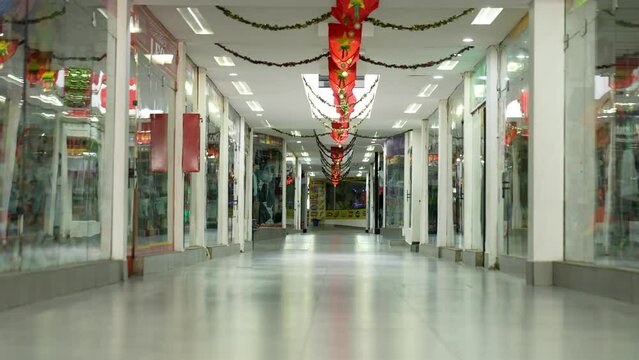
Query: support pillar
283, 184
241, 183
444, 179
223, 183
493, 177
198, 179
419, 164
546, 152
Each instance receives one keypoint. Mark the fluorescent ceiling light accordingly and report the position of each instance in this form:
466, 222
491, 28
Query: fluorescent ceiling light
308, 160
428, 90
448, 65
514, 66
468, 40
268, 124
305, 154
296, 133
361, 168
370, 148
260, 115
412, 108
438, 77
486, 16
242, 87
290, 158
254, 105
233, 74
160, 59
103, 12
368, 155
224, 60
298, 141
359, 174
399, 124
195, 20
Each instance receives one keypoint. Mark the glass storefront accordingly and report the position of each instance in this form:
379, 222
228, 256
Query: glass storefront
475, 157
394, 206
602, 135
190, 104
53, 108
433, 174
290, 189
215, 106
456, 121
234, 156
515, 80
152, 101
267, 180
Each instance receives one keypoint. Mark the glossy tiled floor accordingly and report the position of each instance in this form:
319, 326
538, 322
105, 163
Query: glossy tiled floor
329, 296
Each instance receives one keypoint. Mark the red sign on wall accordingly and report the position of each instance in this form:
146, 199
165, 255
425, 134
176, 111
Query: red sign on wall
159, 147
191, 144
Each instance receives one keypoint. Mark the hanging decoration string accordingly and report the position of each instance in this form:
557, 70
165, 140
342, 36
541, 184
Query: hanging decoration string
327, 54
26, 21
80, 58
374, 21
231, 15
415, 66
328, 133
622, 23
367, 94
270, 63
419, 27
359, 115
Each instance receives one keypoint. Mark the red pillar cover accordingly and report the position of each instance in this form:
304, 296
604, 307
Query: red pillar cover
159, 147
191, 144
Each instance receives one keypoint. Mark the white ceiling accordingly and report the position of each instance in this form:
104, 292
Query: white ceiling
281, 91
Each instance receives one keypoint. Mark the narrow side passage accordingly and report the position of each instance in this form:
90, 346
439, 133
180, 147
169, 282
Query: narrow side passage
327, 295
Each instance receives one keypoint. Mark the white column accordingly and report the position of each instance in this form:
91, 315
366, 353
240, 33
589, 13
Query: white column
117, 129
423, 234
198, 180
249, 188
418, 227
241, 180
472, 172
444, 179
546, 149
493, 176
298, 194
283, 183
176, 186
407, 189
223, 187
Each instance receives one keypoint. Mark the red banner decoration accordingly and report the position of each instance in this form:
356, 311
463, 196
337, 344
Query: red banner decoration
191, 143
159, 147
341, 79
344, 45
7, 49
354, 11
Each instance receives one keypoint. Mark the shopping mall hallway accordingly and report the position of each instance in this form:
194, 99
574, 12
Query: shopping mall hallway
327, 295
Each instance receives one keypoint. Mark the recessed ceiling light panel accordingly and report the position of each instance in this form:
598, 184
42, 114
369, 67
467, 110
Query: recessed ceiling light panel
448, 65
224, 60
255, 106
486, 16
428, 90
413, 108
399, 124
195, 20
242, 87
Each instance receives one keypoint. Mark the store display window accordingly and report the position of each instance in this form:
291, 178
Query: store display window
290, 188
152, 114
234, 124
267, 180
190, 104
514, 123
215, 106
602, 135
433, 175
395, 157
53, 115
456, 121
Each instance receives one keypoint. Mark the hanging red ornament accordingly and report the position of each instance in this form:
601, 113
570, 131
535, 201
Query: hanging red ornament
341, 79
354, 11
339, 136
344, 45
7, 49
38, 62
337, 154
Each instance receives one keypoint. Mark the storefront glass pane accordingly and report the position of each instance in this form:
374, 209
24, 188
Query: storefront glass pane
234, 156
267, 180
602, 135
290, 189
52, 155
474, 160
515, 80
433, 173
215, 104
395, 148
190, 103
456, 121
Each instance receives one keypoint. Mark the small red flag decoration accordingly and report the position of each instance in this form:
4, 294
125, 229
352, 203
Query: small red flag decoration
159, 148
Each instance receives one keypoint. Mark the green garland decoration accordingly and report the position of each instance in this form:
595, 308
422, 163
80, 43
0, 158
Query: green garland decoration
26, 21
310, 89
228, 13
419, 27
269, 63
328, 133
376, 22
415, 66
622, 23
327, 54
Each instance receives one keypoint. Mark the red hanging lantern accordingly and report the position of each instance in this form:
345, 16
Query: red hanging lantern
7, 50
337, 154
344, 45
339, 136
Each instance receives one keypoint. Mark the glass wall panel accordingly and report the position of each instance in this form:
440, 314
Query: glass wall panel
433, 173
53, 111
234, 157
215, 104
476, 175
290, 189
515, 80
456, 121
190, 103
267, 180
602, 135
395, 148
152, 91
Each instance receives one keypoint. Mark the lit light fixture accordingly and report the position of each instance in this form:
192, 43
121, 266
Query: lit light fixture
134, 25
448, 65
260, 115
399, 124
268, 124
233, 74
438, 77
460, 110
224, 60
308, 160
47, 115
298, 141
368, 155
413, 108
486, 16
359, 174
305, 154
468, 40
254, 105
370, 148
242, 87
514, 66
195, 20
101, 10
428, 90
361, 168
296, 133
483, 77
311, 174
160, 59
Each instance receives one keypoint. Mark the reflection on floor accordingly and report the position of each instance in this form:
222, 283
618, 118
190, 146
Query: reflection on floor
328, 295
